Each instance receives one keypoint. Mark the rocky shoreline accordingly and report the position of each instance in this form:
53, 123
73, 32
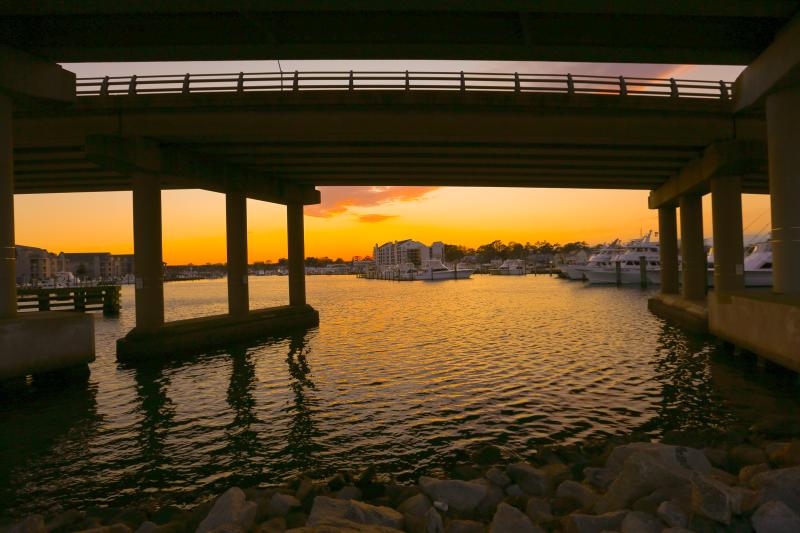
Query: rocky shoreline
740, 483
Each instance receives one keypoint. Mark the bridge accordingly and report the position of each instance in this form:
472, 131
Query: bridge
275, 136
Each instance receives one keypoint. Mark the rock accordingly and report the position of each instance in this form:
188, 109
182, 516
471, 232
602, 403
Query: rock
281, 504
442, 506
509, 519
337, 482
578, 492
31, 524
746, 454
349, 492
494, 495
640, 475
716, 456
433, 522
781, 485
679, 457
416, 505
460, 495
743, 500
487, 455
114, 528
639, 522
65, 519
723, 476
586, 523
775, 517
711, 498
304, 489
530, 479
465, 526
296, 519
557, 472
326, 509
515, 491
147, 527
672, 514
341, 525
230, 509
598, 477
747, 472
273, 525
498, 477
676, 530
786, 455
538, 510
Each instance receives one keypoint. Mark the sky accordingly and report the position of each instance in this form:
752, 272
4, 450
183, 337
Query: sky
350, 220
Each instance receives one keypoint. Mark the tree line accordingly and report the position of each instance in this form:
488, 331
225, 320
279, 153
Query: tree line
512, 250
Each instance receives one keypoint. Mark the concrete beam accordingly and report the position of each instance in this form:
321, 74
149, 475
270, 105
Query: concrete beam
139, 155
25, 77
776, 68
727, 158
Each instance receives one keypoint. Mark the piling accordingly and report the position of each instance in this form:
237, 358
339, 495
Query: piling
643, 271
618, 268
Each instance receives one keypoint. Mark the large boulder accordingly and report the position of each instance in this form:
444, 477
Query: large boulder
781, 485
641, 474
711, 498
280, 504
416, 505
509, 519
586, 523
679, 457
775, 517
787, 454
672, 514
31, 524
577, 492
231, 510
325, 510
532, 480
341, 525
460, 495
743, 455
639, 522
465, 526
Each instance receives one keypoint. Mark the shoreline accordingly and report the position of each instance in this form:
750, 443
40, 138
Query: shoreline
738, 480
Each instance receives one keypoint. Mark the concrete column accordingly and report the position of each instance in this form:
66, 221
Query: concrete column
783, 132
668, 248
726, 209
148, 266
236, 222
8, 270
693, 254
297, 270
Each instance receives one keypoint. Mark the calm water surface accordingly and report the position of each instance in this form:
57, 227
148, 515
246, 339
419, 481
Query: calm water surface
404, 376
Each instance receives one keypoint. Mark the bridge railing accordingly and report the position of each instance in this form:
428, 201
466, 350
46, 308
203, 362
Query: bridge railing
403, 81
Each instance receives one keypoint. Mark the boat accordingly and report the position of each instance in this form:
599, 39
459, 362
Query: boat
629, 268
509, 267
573, 271
602, 258
436, 270
758, 265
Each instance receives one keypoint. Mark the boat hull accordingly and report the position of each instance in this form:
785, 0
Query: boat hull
574, 272
609, 277
441, 276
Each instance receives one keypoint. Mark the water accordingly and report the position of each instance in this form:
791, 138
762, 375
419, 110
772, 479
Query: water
404, 376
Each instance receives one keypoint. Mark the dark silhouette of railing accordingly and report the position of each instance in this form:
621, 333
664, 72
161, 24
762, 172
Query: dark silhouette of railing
403, 81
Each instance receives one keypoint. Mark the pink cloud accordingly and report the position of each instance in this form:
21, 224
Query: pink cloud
338, 200
375, 217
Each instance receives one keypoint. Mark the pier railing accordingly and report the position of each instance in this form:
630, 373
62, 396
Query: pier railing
104, 298
403, 81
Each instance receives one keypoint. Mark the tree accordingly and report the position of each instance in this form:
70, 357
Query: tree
81, 271
454, 252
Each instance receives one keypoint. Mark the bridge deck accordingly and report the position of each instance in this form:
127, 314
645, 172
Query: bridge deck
455, 136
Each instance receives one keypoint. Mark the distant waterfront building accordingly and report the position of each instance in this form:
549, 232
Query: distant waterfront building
392, 254
36, 265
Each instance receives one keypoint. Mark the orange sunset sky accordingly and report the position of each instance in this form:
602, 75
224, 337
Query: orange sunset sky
351, 219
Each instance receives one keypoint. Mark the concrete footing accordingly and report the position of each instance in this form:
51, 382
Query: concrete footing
185, 337
690, 314
762, 322
34, 343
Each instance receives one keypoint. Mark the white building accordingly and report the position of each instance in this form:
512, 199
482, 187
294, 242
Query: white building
392, 254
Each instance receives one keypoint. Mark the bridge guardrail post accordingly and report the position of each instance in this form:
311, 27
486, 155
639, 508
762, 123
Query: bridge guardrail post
673, 88
723, 91
623, 86
296, 81
104, 87
516, 82
463, 82
570, 84
185, 88
350, 84
132, 86
408, 82
240, 83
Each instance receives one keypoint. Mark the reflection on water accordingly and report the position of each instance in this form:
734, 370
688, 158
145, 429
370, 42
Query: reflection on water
407, 377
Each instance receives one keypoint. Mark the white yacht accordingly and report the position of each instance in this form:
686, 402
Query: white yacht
601, 259
510, 267
757, 265
630, 271
573, 271
436, 270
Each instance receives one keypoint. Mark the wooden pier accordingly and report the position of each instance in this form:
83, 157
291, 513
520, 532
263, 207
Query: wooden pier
104, 298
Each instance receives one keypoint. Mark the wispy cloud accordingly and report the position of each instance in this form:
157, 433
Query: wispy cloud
373, 218
338, 200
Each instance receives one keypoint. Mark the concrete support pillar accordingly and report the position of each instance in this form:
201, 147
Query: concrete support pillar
148, 266
783, 132
8, 270
297, 270
236, 223
668, 247
726, 209
693, 254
